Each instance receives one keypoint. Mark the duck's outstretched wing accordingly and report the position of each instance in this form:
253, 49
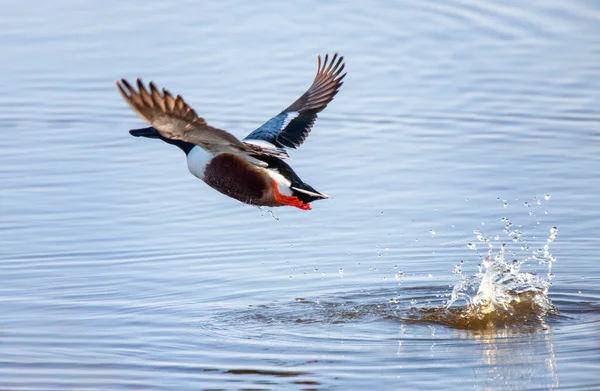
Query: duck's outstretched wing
289, 128
174, 119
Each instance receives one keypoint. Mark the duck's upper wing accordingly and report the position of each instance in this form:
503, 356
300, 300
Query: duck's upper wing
174, 119
289, 128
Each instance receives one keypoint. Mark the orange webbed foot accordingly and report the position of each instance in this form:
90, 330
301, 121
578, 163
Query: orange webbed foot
288, 200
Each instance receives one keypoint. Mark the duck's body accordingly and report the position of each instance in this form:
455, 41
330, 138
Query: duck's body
249, 183
251, 170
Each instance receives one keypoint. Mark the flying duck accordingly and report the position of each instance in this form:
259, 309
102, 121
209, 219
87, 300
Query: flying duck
250, 170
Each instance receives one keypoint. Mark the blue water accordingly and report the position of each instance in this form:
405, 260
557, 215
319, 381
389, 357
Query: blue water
120, 270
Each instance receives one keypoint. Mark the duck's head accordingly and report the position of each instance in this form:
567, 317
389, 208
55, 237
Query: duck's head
151, 132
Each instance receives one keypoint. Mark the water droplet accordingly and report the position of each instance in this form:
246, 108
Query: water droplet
399, 275
547, 197
432, 232
539, 202
466, 199
504, 203
430, 275
553, 233
432, 330
471, 246
402, 331
341, 272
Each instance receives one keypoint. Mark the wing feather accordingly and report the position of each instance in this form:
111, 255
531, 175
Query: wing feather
290, 128
174, 119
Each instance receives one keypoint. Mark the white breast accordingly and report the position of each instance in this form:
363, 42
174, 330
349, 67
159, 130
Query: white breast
197, 160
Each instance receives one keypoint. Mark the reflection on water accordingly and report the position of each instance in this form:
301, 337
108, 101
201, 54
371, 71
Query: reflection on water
533, 359
299, 378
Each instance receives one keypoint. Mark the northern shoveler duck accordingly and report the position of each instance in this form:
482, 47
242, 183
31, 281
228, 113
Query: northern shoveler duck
251, 170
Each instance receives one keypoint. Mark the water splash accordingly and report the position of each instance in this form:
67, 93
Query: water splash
500, 293
509, 291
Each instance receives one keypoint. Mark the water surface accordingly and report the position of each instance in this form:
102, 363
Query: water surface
120, 270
